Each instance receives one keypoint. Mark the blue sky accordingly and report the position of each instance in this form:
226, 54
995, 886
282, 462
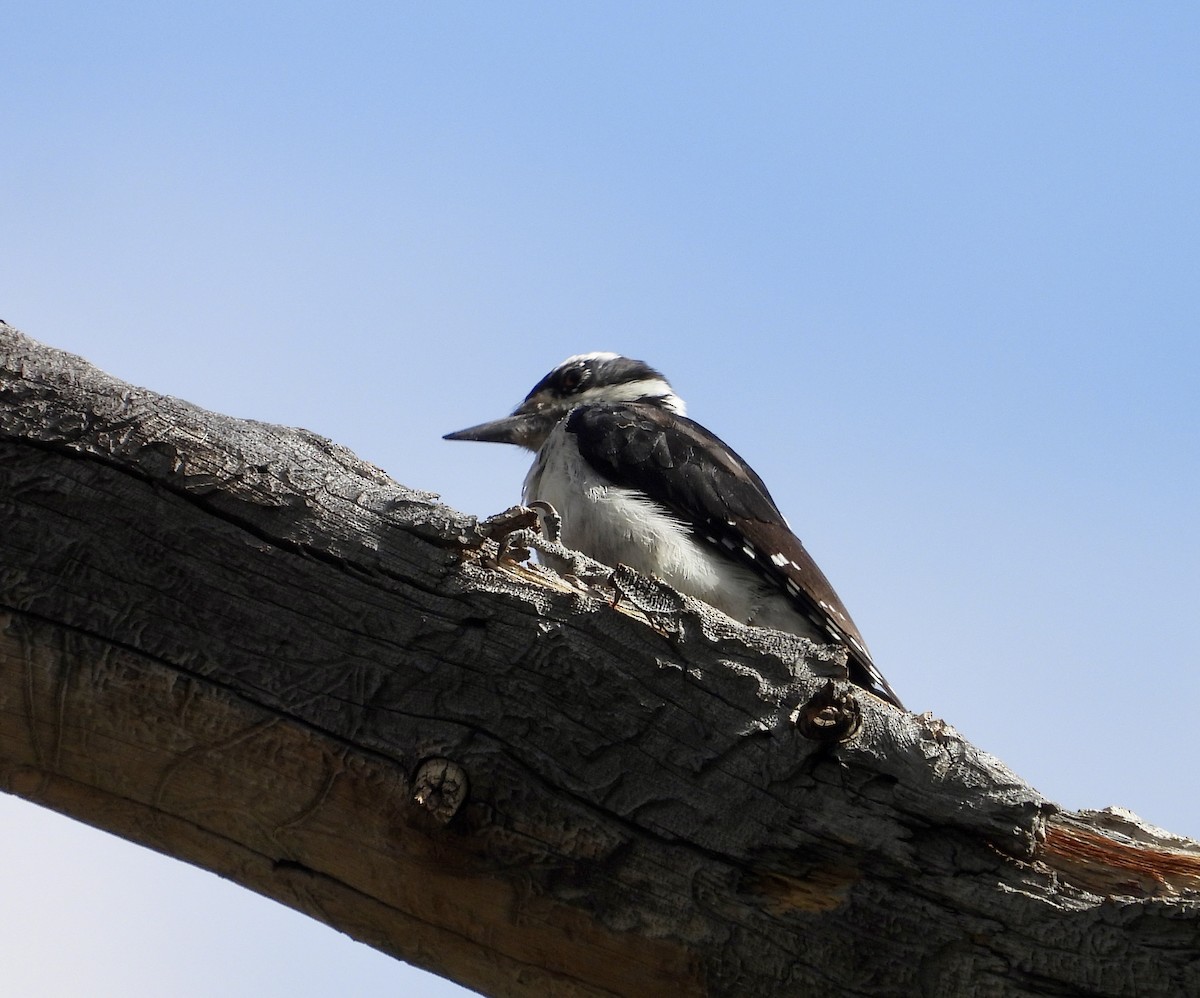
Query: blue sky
932, 268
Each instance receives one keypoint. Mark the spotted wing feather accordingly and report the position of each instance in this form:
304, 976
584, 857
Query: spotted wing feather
711, 488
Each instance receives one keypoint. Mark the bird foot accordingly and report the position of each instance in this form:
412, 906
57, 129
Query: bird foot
523, 529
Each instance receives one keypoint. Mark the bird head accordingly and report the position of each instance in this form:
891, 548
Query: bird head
584, 379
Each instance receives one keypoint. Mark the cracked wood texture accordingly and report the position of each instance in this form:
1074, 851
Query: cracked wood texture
242, 646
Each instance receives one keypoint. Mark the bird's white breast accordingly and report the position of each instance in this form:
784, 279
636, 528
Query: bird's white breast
618, 526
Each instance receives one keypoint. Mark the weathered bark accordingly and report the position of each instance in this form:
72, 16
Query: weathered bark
242, 646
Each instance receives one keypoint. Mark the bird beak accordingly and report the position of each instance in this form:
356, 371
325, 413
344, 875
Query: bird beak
525, 429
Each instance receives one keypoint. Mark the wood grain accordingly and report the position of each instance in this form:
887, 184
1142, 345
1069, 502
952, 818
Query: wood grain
242, 646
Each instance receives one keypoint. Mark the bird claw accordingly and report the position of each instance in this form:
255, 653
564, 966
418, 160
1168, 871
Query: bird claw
504, 527
548, 519
565, 561
520, 530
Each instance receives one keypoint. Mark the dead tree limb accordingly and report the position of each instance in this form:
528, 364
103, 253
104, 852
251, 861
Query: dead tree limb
242, 646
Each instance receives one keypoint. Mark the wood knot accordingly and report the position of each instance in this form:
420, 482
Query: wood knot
829, 716
440, 787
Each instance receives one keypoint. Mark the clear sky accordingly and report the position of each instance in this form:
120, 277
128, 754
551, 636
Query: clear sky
932, 268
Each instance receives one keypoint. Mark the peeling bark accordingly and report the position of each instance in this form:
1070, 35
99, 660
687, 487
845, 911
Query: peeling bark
243, 646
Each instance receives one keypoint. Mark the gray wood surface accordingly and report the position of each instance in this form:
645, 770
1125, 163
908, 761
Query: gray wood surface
241, 645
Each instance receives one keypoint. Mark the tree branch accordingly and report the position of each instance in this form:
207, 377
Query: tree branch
242, 646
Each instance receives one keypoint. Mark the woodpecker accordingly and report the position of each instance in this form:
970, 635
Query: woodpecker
636, 482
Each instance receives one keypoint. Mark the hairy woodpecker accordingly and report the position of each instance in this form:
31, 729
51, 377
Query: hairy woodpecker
636, 482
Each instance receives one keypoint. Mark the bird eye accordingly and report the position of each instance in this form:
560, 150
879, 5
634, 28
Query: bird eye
571, 380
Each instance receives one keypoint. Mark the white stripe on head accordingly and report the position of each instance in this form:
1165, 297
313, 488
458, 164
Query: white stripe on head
631, 391
594, 355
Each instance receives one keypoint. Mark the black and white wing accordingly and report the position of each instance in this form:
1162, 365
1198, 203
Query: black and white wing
677, 463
